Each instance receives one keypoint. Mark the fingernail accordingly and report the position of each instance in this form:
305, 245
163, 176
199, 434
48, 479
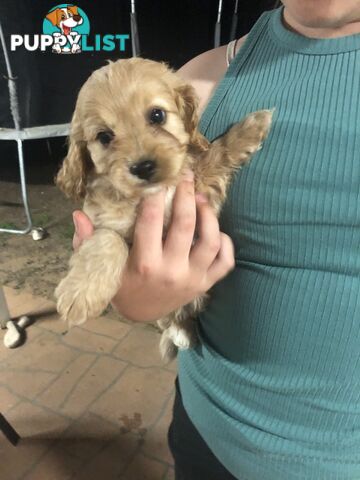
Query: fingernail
188, 175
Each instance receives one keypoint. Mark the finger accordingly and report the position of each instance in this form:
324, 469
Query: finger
147, 239
180, 235
208, 243
83, 228
223, 263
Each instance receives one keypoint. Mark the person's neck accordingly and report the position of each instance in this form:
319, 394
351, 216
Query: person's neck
343, 31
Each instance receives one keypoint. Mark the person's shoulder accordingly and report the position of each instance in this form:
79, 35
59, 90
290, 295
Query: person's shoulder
205, 71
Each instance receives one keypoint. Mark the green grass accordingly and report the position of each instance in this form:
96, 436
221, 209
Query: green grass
41, 219
67, 231
9, 225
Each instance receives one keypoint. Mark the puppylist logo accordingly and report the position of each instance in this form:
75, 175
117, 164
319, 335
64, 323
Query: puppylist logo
66, 24
66, 30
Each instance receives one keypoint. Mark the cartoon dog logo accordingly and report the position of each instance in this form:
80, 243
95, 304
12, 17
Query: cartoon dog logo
65, 19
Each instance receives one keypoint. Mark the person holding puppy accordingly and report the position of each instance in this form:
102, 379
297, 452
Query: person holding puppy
272, 391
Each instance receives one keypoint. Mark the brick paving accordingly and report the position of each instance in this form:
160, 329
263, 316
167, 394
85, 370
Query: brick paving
91, 403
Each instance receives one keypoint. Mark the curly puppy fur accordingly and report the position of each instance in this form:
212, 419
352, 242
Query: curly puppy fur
129, 113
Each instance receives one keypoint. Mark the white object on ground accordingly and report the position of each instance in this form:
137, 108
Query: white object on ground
24, 322
38, 233
13, 336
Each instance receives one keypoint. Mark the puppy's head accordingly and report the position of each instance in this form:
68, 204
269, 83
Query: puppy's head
134, 122
67, 17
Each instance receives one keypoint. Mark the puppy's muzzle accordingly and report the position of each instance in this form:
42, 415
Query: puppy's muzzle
144, 169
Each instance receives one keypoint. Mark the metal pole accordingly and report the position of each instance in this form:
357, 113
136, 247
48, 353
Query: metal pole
23, 186
9, 431
14, 106
218, 26
135, 43
4, 311
234, 21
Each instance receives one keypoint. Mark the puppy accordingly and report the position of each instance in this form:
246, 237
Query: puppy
134, 131
65, 19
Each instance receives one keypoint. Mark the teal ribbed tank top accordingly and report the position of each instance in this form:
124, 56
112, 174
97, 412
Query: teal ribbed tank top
274, 385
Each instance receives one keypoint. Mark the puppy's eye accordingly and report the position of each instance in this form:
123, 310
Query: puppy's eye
105, 137
157, 116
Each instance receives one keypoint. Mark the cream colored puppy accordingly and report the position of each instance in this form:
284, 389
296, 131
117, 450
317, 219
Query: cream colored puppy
134, 131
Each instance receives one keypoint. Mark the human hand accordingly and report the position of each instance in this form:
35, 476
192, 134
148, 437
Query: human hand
161, 276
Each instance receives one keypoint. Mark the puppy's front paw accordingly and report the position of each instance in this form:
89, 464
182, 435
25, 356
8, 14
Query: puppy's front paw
56, 48
258, 125
71, 306
76, 303
94, 277
75, 48
245, 138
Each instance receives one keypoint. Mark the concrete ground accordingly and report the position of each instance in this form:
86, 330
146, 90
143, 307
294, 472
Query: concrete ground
90, 403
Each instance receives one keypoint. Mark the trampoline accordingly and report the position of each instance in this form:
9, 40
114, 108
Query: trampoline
19, 134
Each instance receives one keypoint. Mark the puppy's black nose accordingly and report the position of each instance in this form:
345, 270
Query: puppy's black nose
77, 18
144, 169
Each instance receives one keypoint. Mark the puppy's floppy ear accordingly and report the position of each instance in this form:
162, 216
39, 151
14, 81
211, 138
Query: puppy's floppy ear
53, 16
72, 176
73, 9
188, 104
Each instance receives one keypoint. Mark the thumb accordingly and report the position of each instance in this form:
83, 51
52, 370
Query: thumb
83, 228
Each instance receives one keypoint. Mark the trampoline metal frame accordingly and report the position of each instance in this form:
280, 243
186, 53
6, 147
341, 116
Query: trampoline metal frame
19, 134
135, 42
217, 33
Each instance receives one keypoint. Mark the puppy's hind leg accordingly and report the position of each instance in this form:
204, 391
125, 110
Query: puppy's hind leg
176, 336
94, 277
179, 330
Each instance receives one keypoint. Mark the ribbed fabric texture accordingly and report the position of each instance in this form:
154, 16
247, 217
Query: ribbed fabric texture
274, 386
